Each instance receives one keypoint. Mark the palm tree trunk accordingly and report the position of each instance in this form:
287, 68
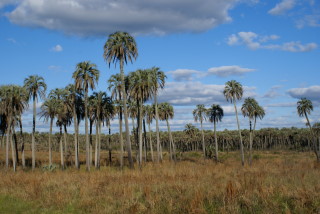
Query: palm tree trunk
99, 145
61, 149
22, 144
173, 155
109, 143
215, 140
150, 142
90, 141
8, 139
33, 134
121, 138
203, 143
144, 140
241, 144
140, 131
314, 140
86, 130
65, 140
15, 146
13, 152
76, 151
159, 156
126, 115
50, 149
96, 146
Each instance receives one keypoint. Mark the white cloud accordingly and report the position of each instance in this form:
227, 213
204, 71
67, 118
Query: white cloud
312, 20
282, 7
57, 48
4, 3
193, 93
273, 92
224, 71
254, 41
140, 17
312, 93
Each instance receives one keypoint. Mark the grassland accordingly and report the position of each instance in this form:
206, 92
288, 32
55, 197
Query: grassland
278, 182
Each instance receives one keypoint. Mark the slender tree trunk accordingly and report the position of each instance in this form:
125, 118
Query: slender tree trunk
126, 115
22, 144
90, 141
314, 140
145, 140
86, 130
215, 140
159, 156
140, 131
50, 147
99, 144
241, 144
109, 143
13, 152
150, 142
171, 142
65, 144
15, 146
61, 149
121, 138
203, 143
76, 151
7, 140
96, 146
33, 146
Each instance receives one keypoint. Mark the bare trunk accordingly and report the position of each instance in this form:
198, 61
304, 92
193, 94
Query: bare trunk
7, 140
96, 146
86, 130
145, 140
33, 146
171, 143
61, 149
140, 131
109, 143
150, 142
50, 149
241, 144
90, 141
65, 144
203, 143
22, 144
76, 151
216, 141
126, 115
159, 155
121, 138
14, 164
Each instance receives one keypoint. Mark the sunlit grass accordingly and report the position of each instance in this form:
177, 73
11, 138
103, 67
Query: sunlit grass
282, 182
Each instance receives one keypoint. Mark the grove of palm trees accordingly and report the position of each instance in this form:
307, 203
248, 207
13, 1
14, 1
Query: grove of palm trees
116, 150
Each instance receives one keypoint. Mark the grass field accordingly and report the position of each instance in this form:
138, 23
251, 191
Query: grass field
278, 182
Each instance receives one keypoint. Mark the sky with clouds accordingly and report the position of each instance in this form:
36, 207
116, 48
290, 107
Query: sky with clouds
270, 47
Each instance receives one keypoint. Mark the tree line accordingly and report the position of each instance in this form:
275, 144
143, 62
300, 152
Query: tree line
129, 93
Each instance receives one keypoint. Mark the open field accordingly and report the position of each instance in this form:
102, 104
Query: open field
278, 182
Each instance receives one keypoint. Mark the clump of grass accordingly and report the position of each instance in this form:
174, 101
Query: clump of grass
272, 185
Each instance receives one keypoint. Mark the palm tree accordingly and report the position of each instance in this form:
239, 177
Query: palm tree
120, 48
305, 107
233, 91
158, 79
49, 109
36, 87
199, 114
166, 112
140, 91
86, 76
252, 110
215, 115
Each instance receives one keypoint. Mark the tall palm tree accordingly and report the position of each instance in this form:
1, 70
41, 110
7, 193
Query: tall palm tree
49, 109
305, 107
140, 90
215, 115
233, 91
158, 79
86, 76
199, 114
120, 48
166, 112
36, 87
252, 110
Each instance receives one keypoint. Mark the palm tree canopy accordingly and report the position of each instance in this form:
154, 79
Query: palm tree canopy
158, 78
149, 113
35, 86
165, 111
199, 114
304, 107
49, 109
86, 75
190, 129
120, 46
215, 113
141, 85
233, 90
249, 107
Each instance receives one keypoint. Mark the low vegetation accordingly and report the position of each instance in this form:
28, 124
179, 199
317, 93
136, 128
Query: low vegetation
277, 182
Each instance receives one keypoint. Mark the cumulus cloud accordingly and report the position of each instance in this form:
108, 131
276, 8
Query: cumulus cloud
311, 93
225, 71
273, 92
101, 17
57, 48
193, 93
282, 7
254, 41
222, 71
312, 20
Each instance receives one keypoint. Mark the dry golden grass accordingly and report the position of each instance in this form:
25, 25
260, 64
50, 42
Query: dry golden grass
282, 182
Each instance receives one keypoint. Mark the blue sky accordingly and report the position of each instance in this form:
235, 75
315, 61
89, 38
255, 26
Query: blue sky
270, 47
